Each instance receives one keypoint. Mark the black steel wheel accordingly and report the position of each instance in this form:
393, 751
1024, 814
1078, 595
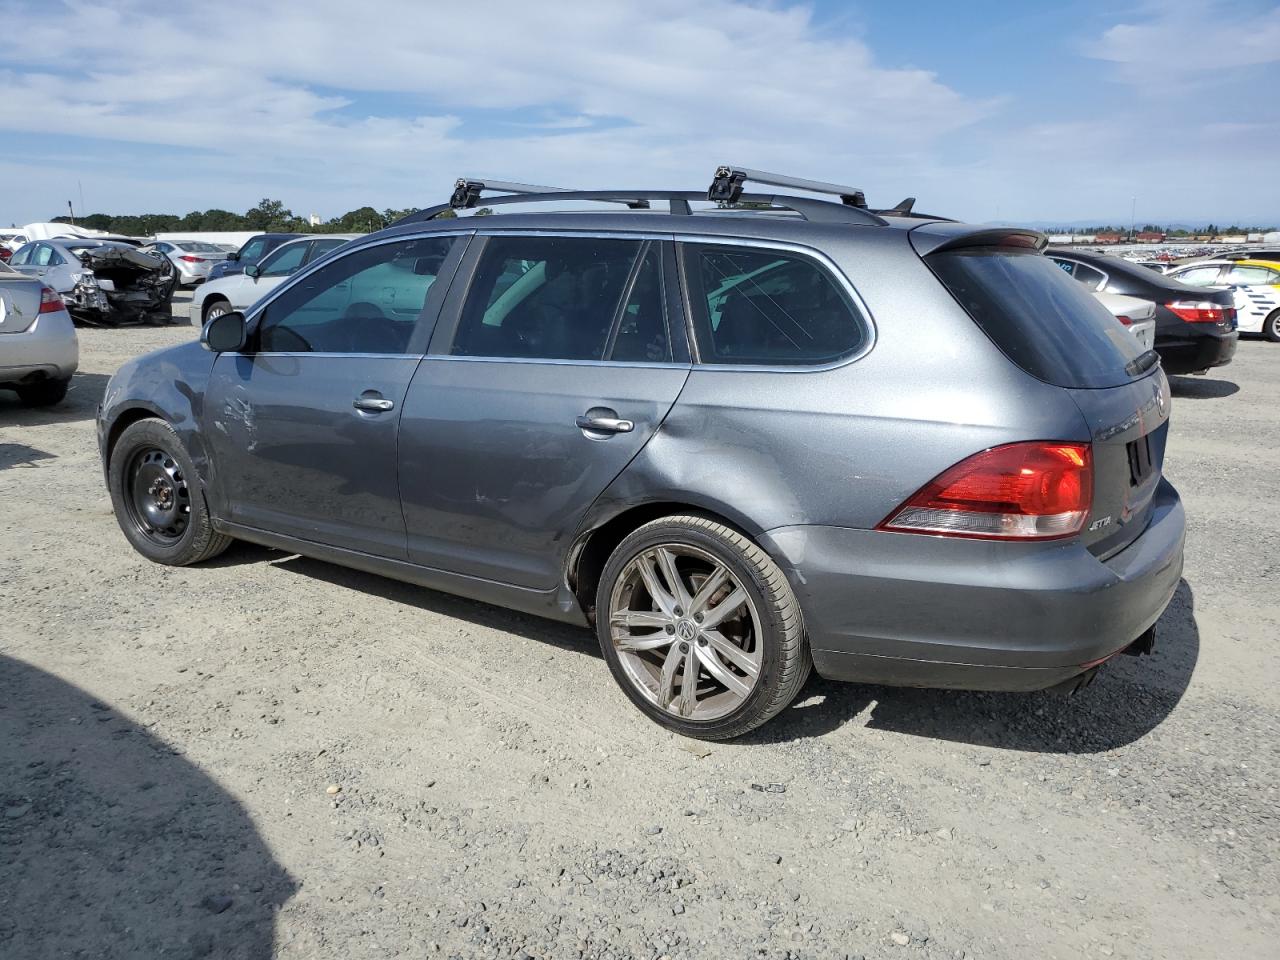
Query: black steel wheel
157, 496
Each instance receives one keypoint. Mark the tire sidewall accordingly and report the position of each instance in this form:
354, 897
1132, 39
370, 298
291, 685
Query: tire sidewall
1271, 327
155, 433
651, 535
223, 306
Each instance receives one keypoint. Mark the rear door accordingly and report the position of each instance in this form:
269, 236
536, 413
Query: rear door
560, 357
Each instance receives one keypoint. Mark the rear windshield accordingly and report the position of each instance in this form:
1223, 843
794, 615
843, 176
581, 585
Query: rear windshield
1045, 322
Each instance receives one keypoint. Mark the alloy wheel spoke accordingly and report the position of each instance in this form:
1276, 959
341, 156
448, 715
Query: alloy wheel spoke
688, 683
724, 609
734, 683
666, 685
640, 618
709, 586
653, 641
653, 584
734, 654
667, 563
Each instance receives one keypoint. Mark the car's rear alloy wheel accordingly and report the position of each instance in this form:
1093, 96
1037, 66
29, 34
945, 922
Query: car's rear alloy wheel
701, 628
157, 498
216, 309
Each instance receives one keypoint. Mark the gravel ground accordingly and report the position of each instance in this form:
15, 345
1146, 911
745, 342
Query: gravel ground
268, 756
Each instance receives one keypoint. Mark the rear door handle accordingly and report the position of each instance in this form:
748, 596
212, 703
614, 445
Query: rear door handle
375, 404
605, 424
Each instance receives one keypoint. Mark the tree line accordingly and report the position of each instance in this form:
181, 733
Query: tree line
1212, 229
269, 215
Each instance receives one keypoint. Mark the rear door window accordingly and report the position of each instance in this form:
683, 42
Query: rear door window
759, 306
564, 298
1199, 276
1050, 326
1251, 276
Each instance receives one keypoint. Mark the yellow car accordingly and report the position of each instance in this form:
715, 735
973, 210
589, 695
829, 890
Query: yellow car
1256, 284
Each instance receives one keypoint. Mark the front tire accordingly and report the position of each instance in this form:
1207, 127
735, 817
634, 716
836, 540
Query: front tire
155, 492
700, 628
1271, 327
46, 393
216, 308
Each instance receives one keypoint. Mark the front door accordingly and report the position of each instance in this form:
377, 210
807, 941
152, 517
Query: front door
556, 367
304, 421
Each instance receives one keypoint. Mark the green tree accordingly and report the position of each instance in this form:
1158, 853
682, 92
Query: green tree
270, 215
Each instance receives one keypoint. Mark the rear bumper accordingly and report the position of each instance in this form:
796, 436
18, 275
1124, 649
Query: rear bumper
47, 350
913, 610
1186, 355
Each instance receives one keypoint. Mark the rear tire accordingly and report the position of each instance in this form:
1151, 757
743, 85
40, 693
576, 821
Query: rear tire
1271, 327
157, 497
749, 664
45, 393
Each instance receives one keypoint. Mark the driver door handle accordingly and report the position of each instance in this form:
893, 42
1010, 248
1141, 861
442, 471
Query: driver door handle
605, 424
378, 404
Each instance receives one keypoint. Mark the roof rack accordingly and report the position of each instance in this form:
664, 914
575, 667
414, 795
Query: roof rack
726, 186
811, 208
467, 190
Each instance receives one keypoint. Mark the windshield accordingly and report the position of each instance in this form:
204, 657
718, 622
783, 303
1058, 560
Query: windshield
1045, 322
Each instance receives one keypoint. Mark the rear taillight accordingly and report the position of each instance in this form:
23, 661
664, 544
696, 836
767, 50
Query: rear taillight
50, 302
190, 259
1201, 311
1041, 490
1125, 320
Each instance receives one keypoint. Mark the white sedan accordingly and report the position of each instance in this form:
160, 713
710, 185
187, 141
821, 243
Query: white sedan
239, 291
1136, 314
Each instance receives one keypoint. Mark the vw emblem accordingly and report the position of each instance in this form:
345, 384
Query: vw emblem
685, 630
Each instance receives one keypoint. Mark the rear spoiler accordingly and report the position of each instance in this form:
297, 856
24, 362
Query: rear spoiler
935, 237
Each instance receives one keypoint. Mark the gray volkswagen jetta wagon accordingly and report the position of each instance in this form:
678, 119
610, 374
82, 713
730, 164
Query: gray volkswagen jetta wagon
743, 434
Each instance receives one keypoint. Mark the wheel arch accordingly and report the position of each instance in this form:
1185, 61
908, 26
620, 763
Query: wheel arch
209, 301
593, 547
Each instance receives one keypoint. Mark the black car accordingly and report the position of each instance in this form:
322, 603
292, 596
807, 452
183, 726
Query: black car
253, 250
1195, 326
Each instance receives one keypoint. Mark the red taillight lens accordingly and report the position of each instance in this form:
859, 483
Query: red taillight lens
1040, 490
191, 259
1202, 311
1125, 320
50, 302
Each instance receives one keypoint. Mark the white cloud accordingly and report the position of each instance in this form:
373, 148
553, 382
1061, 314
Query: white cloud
637, 93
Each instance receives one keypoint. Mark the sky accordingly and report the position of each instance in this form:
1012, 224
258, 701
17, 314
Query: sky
1026, 112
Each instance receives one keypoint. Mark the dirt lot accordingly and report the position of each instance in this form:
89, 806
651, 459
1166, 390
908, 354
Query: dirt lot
269, 756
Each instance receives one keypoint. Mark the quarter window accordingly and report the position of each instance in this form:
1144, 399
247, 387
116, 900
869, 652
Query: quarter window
366, 302
757, 306
565, 298
1199, 276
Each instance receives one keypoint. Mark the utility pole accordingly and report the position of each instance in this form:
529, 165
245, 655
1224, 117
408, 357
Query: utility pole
1133, 219
71, 213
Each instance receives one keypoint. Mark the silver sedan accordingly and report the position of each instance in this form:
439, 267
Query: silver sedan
193, 259
38, 347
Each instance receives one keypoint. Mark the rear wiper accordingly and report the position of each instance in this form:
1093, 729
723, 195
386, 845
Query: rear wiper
1142, 363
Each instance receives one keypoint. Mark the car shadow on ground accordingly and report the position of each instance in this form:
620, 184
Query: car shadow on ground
566, 636
1200, 388
113, 844
81, 404
21, 455
1130, 697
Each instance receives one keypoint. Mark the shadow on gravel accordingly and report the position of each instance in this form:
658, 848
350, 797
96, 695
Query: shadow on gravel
1130, 697
1198, 388
81, 404
111, 845
21, 455
563, 635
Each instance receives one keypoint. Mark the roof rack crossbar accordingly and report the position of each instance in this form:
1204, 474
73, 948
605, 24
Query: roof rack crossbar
726, 186
679, 201
467, 190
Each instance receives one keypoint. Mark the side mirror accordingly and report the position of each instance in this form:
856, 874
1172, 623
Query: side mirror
233, 255
225, 333
253, 270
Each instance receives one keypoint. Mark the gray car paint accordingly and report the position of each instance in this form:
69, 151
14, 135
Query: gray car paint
807, 461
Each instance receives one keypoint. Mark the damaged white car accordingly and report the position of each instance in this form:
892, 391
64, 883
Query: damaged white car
102, 282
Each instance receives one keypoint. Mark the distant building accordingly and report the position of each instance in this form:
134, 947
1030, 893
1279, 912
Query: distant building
1107, 238
1234, 238
1150, 236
